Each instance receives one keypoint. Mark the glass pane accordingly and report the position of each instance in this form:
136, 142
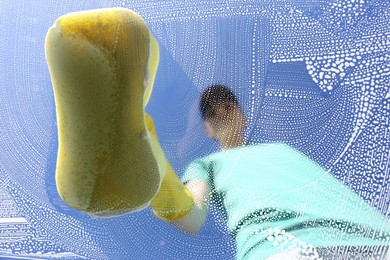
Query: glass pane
310, 74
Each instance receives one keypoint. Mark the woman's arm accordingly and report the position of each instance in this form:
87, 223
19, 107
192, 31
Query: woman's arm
192, 223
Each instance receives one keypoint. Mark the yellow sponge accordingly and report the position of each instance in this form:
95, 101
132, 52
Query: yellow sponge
102, 65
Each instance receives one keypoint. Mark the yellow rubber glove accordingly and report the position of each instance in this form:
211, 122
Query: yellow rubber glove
173, 200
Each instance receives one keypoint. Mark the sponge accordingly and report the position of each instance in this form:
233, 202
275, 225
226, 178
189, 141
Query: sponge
102, 64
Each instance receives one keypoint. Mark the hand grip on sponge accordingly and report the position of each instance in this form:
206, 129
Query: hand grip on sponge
102, 64
173, 200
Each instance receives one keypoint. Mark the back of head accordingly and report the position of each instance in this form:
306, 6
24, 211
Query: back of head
213, 96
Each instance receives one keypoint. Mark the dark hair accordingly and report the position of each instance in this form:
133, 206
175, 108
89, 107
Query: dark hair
213, 95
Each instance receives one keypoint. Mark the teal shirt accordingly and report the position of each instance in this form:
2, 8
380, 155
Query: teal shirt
270, 189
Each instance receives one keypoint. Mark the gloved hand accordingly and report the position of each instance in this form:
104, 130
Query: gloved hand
173, 200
